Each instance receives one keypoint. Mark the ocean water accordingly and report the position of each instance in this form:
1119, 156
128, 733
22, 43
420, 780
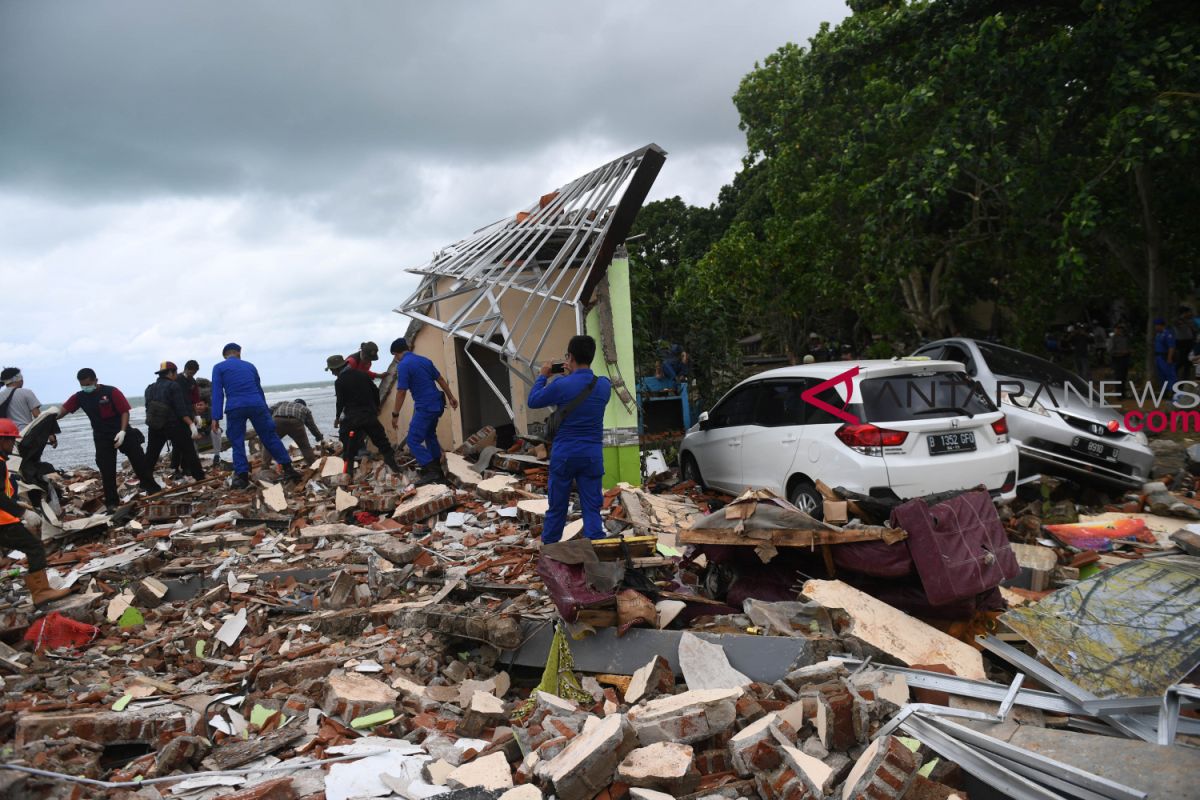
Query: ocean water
76, 449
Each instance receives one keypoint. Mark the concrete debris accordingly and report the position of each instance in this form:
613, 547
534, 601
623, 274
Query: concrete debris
368, 617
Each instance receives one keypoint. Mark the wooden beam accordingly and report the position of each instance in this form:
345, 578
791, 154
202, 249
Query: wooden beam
790, 538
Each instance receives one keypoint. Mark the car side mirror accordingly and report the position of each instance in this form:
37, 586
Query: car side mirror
702, 420
971, 370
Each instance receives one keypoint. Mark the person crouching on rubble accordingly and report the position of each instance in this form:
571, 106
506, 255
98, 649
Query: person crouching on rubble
13, 533
237, 393
357, 413
577, 453
108, 411
418, 375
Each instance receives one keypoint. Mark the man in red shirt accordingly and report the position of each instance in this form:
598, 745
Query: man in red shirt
108, 411
364, 358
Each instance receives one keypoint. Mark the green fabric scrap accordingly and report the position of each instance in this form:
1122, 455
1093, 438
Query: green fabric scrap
558, 677
371, 720
131, 618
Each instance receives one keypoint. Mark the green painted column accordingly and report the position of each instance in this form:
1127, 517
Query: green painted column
622, 451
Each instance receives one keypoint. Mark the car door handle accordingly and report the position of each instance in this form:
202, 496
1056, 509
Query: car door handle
789, 441
735, 444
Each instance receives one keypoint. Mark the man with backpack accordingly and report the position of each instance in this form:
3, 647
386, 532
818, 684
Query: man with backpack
108, 411
357, 413
169, 419
16, 402
577, 427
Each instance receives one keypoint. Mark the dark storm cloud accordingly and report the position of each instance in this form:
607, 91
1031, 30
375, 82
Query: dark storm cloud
120, 98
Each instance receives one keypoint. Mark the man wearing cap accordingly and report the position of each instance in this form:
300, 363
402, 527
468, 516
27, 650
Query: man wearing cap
108, 411
237, 393
169, 419
1164, 353
291, 418
364, 358
13, 533
418, 375
357, 413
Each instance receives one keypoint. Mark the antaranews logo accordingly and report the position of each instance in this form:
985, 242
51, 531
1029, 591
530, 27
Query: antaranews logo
809, 395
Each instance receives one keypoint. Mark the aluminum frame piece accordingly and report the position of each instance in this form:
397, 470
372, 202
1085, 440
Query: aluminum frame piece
552, 256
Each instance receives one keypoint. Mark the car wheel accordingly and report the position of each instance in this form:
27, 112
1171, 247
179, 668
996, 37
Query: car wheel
805, 497
689, 470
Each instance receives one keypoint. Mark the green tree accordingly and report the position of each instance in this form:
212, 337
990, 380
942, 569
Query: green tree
922, 156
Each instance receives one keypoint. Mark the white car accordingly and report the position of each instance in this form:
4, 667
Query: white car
890, 429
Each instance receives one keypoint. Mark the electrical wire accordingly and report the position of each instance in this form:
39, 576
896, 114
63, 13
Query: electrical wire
43, 773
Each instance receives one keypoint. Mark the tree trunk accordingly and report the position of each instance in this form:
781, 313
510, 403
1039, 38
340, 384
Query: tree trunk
1157, 288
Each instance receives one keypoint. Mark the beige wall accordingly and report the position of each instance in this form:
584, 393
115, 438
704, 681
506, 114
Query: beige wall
439, 348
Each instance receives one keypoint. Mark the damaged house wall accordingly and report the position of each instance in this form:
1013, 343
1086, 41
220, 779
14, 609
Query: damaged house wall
518, 289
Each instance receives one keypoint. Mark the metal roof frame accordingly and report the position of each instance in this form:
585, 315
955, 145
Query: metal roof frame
555, 253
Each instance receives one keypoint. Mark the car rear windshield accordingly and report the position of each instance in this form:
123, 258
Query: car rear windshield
1013, 364
898, 398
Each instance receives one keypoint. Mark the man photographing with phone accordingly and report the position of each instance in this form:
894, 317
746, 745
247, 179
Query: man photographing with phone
577, 451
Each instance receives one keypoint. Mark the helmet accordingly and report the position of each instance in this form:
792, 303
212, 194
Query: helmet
8, 429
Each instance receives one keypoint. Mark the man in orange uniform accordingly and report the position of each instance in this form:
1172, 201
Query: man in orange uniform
13, 533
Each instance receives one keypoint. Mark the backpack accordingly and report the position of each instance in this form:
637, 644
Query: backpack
562, 412
158, 414
7, 402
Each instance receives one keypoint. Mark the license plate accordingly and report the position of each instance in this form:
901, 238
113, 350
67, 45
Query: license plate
942, 443
1090, 447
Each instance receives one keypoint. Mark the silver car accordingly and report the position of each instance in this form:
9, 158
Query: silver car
1058, 423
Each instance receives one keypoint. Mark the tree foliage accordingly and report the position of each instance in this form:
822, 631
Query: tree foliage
921, 157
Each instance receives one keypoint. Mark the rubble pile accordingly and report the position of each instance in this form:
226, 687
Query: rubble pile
372, 637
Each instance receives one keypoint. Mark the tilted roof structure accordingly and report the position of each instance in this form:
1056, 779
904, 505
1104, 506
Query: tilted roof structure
552, 255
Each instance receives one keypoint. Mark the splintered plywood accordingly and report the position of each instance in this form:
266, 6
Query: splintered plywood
896, 633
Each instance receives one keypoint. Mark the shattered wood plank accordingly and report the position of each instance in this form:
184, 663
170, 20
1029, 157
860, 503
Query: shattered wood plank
790, 538
236, 753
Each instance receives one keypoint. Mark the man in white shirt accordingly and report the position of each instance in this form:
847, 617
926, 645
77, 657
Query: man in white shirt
16, 402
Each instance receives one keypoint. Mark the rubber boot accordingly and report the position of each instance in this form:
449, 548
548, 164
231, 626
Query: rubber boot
240, 481
38, 585
389, 458
289, 473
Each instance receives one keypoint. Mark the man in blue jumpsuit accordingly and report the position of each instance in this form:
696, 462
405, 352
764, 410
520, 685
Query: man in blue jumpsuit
237, 392
418, 375
1164, 353
577, 453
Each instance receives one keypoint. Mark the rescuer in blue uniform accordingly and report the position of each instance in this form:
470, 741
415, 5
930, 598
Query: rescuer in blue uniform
237, 393
1164, 353
417, 375
577, 452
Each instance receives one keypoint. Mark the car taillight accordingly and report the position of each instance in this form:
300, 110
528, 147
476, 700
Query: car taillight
869, 439
1000, 427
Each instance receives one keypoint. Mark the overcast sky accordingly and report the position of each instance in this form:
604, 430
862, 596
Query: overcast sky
177, 175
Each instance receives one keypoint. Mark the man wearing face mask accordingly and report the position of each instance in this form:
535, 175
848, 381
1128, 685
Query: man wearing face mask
108, 411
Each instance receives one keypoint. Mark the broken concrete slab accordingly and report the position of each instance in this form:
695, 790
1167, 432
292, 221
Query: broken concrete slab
667, 766
687, 717
705, 666
484, 711
428, 500
352, 695
274, 497
651, 680
526, 791
896, 633
884, 771
489, 772
586, 765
